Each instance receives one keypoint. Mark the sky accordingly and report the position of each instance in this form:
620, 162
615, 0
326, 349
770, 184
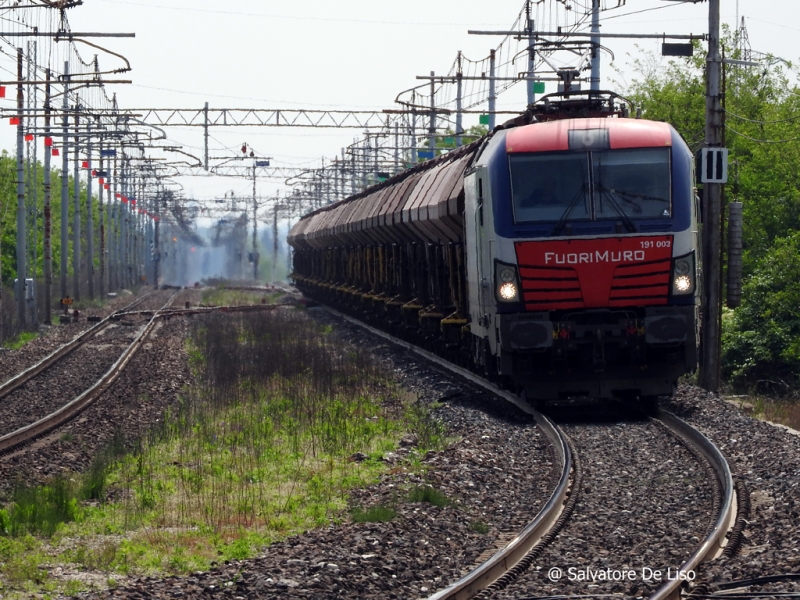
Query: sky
344, 54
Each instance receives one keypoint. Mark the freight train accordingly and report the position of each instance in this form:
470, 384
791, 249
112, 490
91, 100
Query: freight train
559, 254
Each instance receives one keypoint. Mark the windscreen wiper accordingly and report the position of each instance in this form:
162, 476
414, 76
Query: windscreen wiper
618, 209
570, 208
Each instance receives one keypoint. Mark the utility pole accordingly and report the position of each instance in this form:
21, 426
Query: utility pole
529, 27
459, 92
275, 242
32, 175
48, 242
89, 218
594, 83
432, 126
22, 269
255, 226
712, 227
115, 230
100, 182
64, 186
76, 214
414, 155
205, 132
396, 154
492, 94
156, 240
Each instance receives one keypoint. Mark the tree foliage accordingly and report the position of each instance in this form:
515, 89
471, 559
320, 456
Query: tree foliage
761, 339
8, 218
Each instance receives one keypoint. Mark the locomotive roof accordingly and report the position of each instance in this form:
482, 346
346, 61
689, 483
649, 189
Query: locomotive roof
621, 133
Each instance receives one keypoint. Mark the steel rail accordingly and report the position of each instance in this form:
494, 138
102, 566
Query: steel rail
713, 542
504, 559
72, 408
23, 377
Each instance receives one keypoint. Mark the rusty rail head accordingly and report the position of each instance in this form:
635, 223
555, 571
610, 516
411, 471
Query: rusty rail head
23, 377
714, 540
72, 408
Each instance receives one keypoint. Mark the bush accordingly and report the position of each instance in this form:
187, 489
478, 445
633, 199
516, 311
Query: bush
761, 338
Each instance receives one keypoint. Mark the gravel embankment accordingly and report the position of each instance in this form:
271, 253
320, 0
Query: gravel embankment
767, 459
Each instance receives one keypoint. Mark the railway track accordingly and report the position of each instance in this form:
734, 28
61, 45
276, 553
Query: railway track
515, 557
59, 387
26, 375
36, 388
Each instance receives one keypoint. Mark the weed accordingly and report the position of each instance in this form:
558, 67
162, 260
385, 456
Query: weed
41, 509
429, 494
256, 450
430, 431
479, 527
373, 514
20, 340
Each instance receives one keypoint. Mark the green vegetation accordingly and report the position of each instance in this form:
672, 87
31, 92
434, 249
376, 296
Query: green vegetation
8, 215
761, 339
20, 340
479, 527
220, 296
374, 514
426, 493
259, 449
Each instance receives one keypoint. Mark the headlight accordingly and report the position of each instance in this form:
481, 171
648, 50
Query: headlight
508, 292
683, 283
506, 282
683, 275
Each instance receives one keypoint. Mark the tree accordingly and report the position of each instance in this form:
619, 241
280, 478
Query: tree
761, 339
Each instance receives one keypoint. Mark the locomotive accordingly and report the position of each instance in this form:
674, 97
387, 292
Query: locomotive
559, 254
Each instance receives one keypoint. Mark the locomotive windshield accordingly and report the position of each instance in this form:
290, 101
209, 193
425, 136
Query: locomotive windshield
605, 184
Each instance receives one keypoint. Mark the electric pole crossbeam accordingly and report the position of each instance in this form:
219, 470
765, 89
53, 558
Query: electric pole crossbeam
242, 117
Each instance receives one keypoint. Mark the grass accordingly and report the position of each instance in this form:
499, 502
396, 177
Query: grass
373, 514
220, 296
479, 527
257, 450
429, 494
20, 340
785, 411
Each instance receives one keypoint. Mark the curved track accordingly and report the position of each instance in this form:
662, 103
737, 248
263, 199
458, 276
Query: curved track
23, 377
522, 546
61, 412
67, 411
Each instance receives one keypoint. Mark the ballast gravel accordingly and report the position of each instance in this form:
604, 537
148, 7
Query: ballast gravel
644, 505
767, 459
645, 500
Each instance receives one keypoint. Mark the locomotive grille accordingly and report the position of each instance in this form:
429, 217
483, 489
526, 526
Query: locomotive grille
551, 288
640, 284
